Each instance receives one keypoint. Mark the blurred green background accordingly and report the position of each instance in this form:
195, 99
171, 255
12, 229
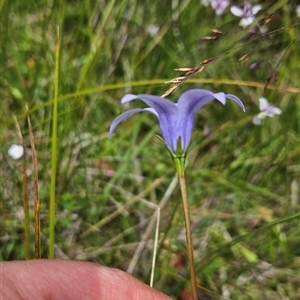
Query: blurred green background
243, 179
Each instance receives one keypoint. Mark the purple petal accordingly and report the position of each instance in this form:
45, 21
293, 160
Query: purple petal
124, 116
188, 105
236, 100
166, 112
159, 104
128, 97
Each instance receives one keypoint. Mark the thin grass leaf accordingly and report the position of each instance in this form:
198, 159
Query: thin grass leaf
24, 194
37, 222
54, 150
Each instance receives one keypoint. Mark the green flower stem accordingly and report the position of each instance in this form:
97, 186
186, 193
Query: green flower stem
179, 161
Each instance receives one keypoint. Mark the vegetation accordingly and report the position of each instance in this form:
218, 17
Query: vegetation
242, 179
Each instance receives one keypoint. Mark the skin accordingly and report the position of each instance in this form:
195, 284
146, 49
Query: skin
70, 280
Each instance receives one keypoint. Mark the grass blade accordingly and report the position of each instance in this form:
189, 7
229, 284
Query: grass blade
54, 151
37, 226
24, 194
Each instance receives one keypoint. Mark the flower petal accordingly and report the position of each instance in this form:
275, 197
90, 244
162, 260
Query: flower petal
256, 9
277, 110
128, 97
257, 120
246, 21
124, 116
263, 103
167, 114
188, 105
236, 100
272, 110
161, 105
237, 11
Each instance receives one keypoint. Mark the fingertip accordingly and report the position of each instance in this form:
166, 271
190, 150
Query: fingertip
73, 280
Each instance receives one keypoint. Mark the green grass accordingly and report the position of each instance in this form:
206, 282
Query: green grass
243, 180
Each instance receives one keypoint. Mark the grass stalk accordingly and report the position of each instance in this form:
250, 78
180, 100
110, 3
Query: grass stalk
54, 151
155, 246
37, 223
24, 194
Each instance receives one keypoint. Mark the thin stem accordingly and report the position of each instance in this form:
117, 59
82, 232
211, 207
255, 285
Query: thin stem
37, 222
189, 241
24, 194
54, 153
179, 161
155, 246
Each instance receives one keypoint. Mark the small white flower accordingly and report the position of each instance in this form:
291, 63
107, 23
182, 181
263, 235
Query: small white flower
298, 10
247, 13
153, 29
219, 5
15, 151
267, 110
